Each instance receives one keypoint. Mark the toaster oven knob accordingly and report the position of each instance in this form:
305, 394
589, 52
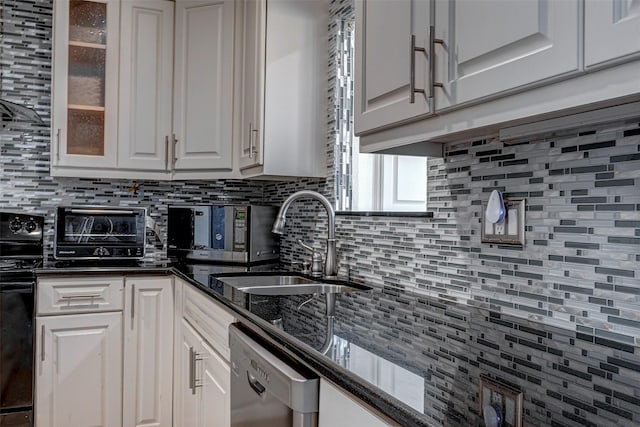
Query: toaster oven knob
30, 226
101, 252
15, 225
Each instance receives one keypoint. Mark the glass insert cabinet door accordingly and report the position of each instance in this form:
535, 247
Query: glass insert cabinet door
85, 83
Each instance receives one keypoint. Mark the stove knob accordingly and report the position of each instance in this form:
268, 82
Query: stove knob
101, 252
15, 225
31, 226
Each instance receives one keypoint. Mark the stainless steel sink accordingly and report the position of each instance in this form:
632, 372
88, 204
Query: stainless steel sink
266, 280
284, 285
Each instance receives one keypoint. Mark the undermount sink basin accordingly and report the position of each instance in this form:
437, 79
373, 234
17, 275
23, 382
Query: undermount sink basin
284, 285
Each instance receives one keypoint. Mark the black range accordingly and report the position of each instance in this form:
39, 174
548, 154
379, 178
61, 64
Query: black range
21, 251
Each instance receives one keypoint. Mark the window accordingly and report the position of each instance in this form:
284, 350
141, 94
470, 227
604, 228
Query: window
369, 182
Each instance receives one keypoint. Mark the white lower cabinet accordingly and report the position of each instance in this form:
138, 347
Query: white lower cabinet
215, 379
79, 370
148, 352
338, 409
107, 366
201, 367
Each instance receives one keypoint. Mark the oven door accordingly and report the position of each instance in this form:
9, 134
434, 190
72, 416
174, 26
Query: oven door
89, 233
16, 351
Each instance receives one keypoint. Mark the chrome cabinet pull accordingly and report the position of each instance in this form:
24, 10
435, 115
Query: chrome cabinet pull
250, 140
193, 359
58, 145
70, 297
254, 145
432, 60
412, 70
252, 150
133, 304
174, 159
42, 338
166, 151
191, 370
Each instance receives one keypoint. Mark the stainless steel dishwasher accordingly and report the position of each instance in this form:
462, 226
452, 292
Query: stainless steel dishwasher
266, 391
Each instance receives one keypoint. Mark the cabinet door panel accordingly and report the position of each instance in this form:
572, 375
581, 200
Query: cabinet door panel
215, 379
337, 409
612, 30
211, 321
384, 59
148, 364
79, 370
186, 402
146, 76
203, 109
253, 64
85, 96
526, 42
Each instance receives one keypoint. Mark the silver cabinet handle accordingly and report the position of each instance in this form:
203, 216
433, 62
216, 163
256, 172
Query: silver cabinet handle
191, 370
252, 150
133, 304
432, 60
250, 140
92, 296
173, 150
193, 359
412, 70
42, 338
58, 145
166, 148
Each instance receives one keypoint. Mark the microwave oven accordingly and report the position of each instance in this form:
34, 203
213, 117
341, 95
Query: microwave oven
238, 234
99, 232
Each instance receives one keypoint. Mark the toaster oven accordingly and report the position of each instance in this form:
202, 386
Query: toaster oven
99, 232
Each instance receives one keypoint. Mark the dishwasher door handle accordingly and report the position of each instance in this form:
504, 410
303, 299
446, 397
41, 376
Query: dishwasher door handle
255, 385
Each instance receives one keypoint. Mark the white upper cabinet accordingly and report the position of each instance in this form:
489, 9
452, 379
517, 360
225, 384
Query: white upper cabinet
493, 46
490, 64
283, 114
612, 30
392, 39
203, 91
85, 68
146, 76
254, 15
127, 104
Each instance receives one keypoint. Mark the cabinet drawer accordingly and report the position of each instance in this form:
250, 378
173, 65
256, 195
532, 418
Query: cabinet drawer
79, 295
208, 318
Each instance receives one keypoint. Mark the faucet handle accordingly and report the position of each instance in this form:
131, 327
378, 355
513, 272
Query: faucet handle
317, 266
305, 265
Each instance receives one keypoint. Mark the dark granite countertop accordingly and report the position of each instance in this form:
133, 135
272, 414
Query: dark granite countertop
297, 340
419, 359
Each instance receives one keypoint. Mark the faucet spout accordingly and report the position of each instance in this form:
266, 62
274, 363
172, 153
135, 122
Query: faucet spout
330, 265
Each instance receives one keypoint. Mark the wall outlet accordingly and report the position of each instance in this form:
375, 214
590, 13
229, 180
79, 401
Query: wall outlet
507, 398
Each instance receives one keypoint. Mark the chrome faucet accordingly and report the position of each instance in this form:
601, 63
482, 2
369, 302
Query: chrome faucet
331, 262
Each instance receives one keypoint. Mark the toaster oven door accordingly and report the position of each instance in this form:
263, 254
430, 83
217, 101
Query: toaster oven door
114, 233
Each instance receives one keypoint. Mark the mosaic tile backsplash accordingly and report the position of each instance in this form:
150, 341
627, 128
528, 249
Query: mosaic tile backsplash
567, 378
578, 271
25, 182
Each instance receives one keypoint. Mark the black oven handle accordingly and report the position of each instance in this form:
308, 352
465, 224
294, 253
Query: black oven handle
102, 212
